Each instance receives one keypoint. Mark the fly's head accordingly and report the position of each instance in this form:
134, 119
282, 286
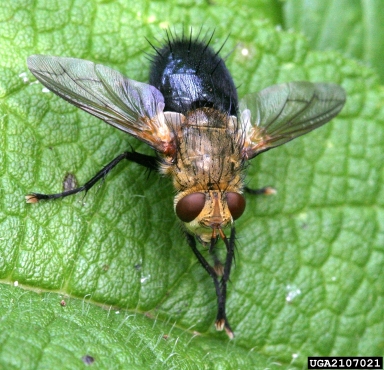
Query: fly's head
206, 214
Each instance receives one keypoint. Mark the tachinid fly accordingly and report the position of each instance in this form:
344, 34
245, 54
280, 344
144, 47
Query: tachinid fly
189, 113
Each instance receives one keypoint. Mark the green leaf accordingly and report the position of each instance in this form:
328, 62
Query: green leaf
353, 27
309, 275
46, 331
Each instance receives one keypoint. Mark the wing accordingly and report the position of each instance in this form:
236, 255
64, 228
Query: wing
131, 106
283, 112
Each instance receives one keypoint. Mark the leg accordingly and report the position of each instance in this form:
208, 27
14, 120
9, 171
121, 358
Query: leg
221, 321
211, 271
221, 288
142, 159
268, 190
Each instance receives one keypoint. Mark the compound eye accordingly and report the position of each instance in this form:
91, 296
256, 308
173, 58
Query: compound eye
189, 207
236, 204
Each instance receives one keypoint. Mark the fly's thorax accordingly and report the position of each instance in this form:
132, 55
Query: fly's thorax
205, 214
210, 117
209, 151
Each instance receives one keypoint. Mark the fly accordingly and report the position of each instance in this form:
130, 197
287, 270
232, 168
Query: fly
203, 135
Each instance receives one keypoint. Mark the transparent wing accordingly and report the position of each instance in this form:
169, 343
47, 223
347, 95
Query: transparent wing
131, 106
283, 112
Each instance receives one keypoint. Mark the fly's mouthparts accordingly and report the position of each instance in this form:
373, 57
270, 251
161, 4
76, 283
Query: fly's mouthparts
222, 235
216, 228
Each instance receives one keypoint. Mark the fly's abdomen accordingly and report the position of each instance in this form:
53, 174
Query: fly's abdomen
191, 75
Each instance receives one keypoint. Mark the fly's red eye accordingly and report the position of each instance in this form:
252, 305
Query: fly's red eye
189, 207
236, 204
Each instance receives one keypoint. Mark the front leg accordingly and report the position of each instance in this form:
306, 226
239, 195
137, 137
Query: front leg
220, 286
221, 321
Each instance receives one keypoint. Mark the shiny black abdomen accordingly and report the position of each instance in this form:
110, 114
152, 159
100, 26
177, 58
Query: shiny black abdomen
191, 75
